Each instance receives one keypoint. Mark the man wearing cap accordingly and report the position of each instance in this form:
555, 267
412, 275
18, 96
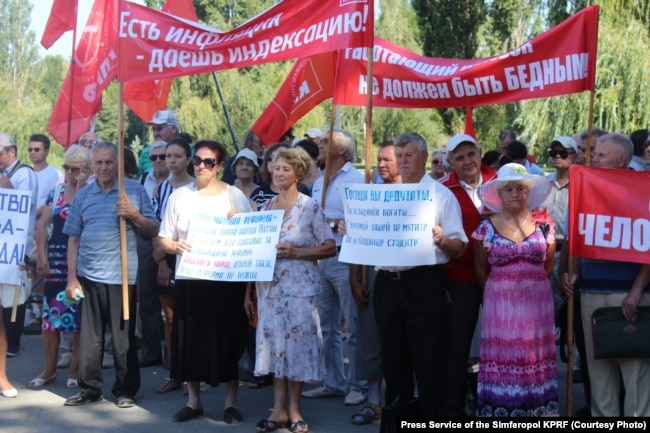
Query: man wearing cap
314, 134
411, 300
22, 177
463, 288
164, 126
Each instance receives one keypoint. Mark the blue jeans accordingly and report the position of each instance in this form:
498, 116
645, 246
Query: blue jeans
335, 299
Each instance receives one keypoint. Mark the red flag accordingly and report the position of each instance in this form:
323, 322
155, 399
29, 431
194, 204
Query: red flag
63, 17
94, 68
148, 97
608, 214
310, 81
469, 122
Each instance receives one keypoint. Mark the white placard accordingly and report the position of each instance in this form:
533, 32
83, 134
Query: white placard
14, 225
389, 225
241, 248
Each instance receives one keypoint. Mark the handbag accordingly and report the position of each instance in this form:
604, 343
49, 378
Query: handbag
399, 409
615, 337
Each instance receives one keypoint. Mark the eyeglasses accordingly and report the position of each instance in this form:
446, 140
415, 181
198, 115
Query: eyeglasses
160, 157
564, 154
158, 128
34, 149
74, 170
87, 142
209, 163
436, 161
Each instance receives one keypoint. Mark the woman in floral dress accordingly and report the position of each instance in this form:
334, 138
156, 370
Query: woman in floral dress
289, 340
518, 371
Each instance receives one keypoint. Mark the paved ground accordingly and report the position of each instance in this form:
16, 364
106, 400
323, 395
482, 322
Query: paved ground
42, 410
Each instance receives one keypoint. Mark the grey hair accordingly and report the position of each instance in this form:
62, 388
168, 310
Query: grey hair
412, 137
622, 143
79, 154
158, 144
104, 145
346, 141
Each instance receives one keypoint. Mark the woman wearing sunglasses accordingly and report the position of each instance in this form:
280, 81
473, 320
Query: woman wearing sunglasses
210, 323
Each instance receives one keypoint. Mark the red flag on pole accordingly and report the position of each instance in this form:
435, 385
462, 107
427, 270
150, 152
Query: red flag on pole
63, 17
148, 97
94, 66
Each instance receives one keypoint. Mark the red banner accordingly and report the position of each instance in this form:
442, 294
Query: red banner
608, 214
63, 17
148, 97
94, 68
426, 82
559, 61
310, 82
154, 45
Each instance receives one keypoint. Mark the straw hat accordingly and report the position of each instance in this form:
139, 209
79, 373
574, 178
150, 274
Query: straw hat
539, 190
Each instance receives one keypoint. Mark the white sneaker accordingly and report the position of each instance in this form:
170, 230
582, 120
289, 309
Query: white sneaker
319, 392
355, 397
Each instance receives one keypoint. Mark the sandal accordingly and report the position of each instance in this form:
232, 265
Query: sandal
367, 414
39, 382
72, 383
169, 385
299, 427
268, 426
260, 382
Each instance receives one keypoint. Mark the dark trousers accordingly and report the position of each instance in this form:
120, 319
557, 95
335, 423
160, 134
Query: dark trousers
14, 329
410, 308
101, 307
463, 307
149, 303
579, 335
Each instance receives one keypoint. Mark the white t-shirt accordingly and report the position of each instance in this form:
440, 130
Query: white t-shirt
48, 179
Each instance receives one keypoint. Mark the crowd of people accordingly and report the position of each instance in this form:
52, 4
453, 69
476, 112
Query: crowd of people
499, 238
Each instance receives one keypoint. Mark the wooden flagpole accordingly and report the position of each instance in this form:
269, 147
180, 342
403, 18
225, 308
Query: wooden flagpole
122, 193
328, 149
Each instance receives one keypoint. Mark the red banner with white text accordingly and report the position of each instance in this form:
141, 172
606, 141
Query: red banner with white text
559, 61
609, 214
147, 97
404, 79
154, 45
94, 68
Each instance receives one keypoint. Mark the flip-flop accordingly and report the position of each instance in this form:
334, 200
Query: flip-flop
299, 427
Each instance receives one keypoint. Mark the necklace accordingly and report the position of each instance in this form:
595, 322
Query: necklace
515, 231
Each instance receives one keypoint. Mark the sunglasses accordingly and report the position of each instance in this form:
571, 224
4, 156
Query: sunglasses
160, 157
564, 154
74, 170
158, 128
87, 143
436, 161
34, 149
209, 163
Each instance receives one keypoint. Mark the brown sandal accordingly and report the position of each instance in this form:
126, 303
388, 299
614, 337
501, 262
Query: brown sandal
169, 385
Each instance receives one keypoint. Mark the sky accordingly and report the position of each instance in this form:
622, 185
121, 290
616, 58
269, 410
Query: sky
40, 13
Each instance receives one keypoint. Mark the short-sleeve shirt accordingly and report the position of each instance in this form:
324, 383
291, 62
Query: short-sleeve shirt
333, 203
93, 220
185, 202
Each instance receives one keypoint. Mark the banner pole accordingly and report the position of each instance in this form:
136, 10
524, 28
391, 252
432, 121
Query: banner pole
72, 66
120, 177
225, 112
326, 178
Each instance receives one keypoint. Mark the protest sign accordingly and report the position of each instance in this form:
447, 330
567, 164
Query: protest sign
14, 223
241, 248
388, 225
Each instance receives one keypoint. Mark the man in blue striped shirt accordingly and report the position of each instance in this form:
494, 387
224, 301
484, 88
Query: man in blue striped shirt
94, 269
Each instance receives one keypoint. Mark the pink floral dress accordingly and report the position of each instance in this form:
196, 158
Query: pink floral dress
518, 371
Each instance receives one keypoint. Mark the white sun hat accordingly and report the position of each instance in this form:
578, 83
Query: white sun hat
540, 189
